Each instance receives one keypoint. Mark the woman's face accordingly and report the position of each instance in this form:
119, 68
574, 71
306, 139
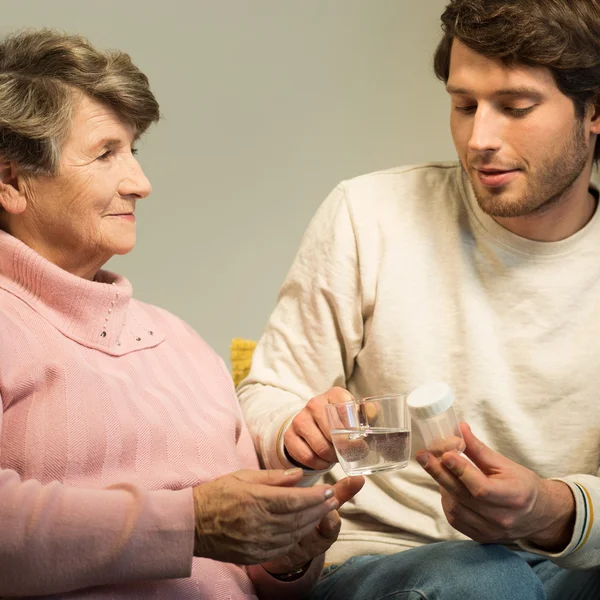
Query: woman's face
83, 216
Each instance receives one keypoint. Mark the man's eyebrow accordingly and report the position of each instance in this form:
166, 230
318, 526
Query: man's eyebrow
520, 91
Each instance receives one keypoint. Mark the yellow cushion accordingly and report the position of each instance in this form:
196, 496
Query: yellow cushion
241, 358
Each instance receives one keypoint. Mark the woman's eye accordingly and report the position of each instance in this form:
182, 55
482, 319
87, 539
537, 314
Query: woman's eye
105, 155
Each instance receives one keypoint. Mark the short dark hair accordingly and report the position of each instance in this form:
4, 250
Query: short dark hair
560, 35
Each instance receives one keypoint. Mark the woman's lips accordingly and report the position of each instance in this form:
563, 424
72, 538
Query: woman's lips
127, 216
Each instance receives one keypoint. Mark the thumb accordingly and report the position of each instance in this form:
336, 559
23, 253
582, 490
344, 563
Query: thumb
274, 477
482, 456
347, 488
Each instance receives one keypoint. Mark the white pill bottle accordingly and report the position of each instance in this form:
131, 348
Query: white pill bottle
431, 408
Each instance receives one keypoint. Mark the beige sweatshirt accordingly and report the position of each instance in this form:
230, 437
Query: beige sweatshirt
401, 279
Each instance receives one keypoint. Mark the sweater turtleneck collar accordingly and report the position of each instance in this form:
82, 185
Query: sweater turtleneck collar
98, 314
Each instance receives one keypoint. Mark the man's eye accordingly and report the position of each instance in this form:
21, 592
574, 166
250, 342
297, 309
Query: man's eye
105, 155
519, 112
465, 109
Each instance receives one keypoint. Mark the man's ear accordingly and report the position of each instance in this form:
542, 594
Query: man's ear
12, 199
594, 111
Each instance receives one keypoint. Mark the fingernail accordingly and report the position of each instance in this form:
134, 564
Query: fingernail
333, 504
293, 471
448, 462
331, 522
422, 459
329, 494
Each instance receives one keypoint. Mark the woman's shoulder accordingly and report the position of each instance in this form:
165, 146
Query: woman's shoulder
15, 315
160, 316
196, 355
20, 328
176, 330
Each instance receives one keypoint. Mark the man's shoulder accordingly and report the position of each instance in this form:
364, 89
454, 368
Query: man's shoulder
423, 186
426, 174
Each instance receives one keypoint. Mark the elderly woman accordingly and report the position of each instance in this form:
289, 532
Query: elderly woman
125, 468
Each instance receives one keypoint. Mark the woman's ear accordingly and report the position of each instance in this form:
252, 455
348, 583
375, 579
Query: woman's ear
12, 199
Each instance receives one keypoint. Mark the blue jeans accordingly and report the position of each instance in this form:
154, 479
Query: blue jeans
455, 571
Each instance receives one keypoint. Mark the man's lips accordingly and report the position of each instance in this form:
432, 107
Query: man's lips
495, 177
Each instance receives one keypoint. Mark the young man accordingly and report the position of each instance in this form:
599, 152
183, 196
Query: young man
484, 274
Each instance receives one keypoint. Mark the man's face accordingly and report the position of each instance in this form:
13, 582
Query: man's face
517, 135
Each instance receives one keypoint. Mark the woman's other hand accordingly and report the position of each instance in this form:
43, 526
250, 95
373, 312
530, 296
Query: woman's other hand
321, 537
250, 517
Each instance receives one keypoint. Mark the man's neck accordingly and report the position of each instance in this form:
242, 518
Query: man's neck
559, 221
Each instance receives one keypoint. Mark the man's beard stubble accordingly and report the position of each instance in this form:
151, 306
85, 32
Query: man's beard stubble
545, 186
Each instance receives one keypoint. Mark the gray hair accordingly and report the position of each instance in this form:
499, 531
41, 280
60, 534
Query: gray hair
41, 71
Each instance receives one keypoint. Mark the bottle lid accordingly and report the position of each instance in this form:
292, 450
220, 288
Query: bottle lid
430, 400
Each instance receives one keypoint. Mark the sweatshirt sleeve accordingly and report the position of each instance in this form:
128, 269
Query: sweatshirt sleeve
55, 539
313, 336
583, 551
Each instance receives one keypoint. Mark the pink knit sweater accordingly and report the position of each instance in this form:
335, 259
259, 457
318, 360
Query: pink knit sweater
112, 410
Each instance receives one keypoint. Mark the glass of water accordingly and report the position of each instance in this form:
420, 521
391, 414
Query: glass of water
371, 435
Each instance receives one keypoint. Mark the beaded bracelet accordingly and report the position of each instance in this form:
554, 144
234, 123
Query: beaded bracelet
291, 575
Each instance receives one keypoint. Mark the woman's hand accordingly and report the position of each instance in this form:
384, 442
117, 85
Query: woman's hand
321, 537
249, 517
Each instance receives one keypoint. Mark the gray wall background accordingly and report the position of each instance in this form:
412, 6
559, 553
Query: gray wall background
267, 105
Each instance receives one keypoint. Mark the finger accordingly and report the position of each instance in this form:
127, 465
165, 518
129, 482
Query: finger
443, 476
314, 543
461, 517
299, 525
330, 526
281, 544
281, 500
347, 488
471, 524
372, 411
320, 417
440, 446
302, 453
351, 449
305, 426
309, 517
275, 477
316, 409
479, 485
468, 530
484, 457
